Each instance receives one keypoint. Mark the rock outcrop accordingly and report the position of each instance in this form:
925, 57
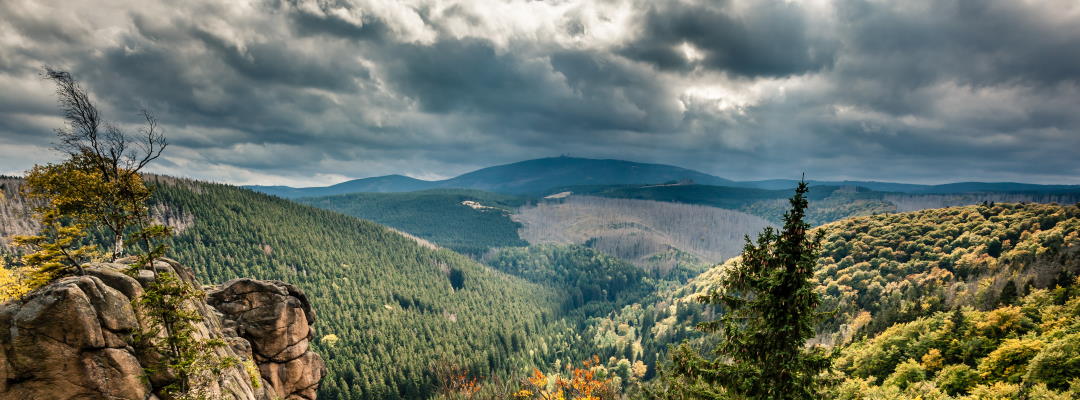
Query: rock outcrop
73, 339
275, 317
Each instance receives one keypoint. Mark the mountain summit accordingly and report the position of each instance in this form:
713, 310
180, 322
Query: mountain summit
524, 177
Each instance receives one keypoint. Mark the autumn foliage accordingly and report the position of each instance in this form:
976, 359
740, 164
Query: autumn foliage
456, 382
578, 384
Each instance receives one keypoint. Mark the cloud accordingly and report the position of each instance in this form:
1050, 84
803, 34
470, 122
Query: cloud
309, 92
767, 38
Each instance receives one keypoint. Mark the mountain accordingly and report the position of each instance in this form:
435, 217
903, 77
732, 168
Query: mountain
379, 184
1004, 187
395, 315
827, 203
524, 178
948, 188
540, 176
537, 176
790, 184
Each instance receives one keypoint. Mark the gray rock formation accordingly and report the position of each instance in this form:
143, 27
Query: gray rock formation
72, 339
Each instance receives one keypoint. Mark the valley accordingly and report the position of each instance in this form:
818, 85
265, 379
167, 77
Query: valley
516, 281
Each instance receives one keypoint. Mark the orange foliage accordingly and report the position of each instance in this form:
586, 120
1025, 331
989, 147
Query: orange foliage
457, 381
579, 384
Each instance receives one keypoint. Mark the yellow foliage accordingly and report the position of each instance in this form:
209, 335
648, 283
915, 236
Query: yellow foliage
329, 340
1009, 361
253, 373
639, 369
932, 360
996, 391
14, 283
997, 322
57, 250
79, 191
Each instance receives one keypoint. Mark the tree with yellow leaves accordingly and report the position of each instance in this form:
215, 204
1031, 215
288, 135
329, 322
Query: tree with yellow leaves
100, 182
97, 187
13, 282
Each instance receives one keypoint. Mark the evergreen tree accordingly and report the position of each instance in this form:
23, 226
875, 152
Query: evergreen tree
1008, 293
770, 312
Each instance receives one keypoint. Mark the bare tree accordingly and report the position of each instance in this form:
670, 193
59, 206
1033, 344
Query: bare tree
118, 157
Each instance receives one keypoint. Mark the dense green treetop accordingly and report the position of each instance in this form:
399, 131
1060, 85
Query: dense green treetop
466, 221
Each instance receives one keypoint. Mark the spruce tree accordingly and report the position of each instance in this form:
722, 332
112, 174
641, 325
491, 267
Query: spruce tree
769, 311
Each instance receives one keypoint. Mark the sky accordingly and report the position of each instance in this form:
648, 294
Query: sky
314, 92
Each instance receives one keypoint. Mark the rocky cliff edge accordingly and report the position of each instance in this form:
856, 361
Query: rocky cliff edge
73, 338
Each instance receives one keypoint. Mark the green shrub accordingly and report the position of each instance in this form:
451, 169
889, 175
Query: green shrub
1056, 364
1009, 361
956, 379
906, 373
996, 391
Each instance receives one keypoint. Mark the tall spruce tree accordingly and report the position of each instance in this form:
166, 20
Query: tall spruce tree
769, 312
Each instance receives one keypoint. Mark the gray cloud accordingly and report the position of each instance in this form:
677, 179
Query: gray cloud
768, 38
317, 91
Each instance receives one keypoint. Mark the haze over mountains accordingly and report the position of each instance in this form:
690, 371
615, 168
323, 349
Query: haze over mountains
540, 176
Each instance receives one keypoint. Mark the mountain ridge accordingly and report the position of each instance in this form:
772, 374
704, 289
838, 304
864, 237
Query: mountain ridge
539, 176
522, 177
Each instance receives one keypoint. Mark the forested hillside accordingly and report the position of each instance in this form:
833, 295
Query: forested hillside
594, 284
1028, 348
466, 221
658, 236
828, 203
14, 213
878, 271
584, 275
391, 312
396, 315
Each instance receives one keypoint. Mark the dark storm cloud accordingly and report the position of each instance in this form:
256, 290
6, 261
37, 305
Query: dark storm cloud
315, 91
771, 38
307, 22
565, 92
975, 42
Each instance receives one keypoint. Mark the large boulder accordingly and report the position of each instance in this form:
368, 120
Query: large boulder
70, 340
73, 339
276, 318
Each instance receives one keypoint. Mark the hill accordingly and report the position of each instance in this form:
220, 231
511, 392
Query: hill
466, 221
541, 176
397, 309
1027, 348
525, 177
657, 236
379, 184
958, 187
827, 203
879, 271
589, 278
537, 176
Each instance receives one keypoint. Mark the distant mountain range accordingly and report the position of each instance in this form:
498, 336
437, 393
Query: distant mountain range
541, 176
